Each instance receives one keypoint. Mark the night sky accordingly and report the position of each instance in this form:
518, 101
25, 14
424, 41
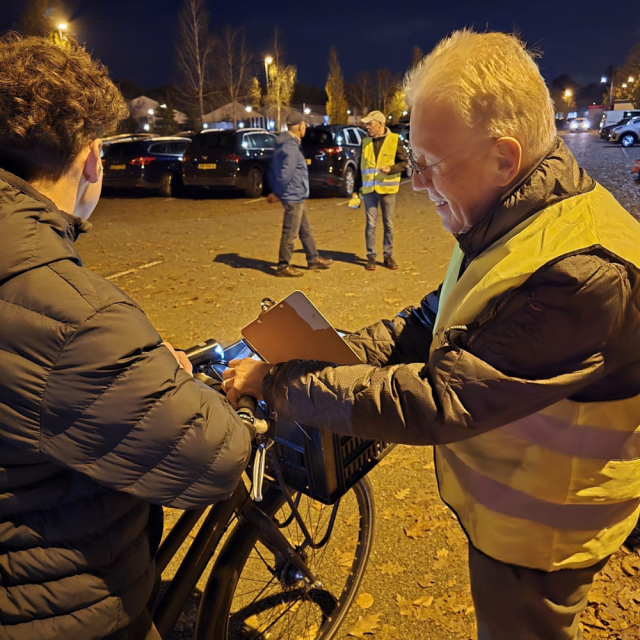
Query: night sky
135, 38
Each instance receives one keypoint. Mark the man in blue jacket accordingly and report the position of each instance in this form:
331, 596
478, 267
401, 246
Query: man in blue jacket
290, 184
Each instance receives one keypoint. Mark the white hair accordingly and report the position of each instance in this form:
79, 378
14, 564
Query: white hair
493, 83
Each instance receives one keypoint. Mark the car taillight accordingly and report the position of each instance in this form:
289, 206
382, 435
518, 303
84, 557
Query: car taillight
232, 158
142, 161
331, 151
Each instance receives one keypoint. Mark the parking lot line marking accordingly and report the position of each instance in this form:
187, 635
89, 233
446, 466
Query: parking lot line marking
257, 200
128, 271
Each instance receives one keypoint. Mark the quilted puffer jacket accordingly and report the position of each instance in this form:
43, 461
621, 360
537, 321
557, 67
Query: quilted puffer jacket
98, 426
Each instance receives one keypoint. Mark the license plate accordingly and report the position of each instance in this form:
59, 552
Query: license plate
210, 165
116, 167
308, 160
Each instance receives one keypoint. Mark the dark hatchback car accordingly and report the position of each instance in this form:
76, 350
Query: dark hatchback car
150, 164
229, 159
333, 154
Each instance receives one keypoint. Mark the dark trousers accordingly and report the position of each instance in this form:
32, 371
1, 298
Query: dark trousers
387, 203
140, 629
294, 224
515, 603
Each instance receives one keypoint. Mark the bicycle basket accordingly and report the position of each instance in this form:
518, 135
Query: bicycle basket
323, 465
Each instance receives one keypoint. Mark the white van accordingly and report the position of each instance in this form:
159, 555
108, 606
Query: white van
613, 117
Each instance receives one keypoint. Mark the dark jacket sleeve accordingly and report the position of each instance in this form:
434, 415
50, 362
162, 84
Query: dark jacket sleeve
285, 168
119, 409
402, 159
469, 385
402, 340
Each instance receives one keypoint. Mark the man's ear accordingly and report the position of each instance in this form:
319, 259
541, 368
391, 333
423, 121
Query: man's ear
92, 169
509, 159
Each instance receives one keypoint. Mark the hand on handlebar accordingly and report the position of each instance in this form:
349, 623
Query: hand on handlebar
181, 358
244, 377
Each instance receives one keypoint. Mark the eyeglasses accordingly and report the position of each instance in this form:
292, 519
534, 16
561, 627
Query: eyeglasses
419, 169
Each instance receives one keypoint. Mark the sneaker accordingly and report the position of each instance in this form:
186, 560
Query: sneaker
390, 263
371, 264
288, 272
320, 263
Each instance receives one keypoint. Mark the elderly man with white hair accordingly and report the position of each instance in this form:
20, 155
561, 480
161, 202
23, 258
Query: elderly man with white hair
523, 368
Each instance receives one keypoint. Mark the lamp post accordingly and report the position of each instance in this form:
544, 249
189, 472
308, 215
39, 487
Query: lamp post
63, 26
267, 61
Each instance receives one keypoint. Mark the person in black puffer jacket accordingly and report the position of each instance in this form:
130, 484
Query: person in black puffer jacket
100, 422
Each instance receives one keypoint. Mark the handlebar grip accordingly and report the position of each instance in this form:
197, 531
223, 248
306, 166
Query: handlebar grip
248, 403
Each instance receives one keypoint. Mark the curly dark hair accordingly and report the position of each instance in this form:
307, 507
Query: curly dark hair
54, 100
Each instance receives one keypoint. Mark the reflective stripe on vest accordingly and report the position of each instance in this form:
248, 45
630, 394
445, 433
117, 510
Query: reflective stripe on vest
560, 488
372, 178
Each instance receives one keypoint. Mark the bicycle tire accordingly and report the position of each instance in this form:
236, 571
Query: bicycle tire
215, 618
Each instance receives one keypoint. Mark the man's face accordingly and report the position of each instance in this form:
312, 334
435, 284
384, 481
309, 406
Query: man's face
465, 186
374, 128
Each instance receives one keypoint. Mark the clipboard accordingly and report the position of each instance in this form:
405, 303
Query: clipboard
295, 329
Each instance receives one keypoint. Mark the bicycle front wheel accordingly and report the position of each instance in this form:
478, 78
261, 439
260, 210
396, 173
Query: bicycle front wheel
254, 594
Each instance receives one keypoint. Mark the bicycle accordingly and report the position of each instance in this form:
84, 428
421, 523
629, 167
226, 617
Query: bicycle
275, 575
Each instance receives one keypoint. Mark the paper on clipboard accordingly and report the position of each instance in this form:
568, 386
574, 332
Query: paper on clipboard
295, 329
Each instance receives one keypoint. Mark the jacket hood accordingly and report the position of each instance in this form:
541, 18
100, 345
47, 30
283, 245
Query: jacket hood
555, 178
33, 231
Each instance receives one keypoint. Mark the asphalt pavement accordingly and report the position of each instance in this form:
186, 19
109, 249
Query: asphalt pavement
200, 268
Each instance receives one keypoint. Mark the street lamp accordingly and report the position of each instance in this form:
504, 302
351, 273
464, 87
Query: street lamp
567, 93
630, 79
307, 111
248, 108
63, 26
267, 61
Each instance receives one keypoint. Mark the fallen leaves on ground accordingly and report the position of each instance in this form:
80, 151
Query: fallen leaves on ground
364, 600
391, 568
366, 625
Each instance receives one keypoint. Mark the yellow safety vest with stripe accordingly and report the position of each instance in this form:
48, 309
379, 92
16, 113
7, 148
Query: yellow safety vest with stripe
558, 489
372, 178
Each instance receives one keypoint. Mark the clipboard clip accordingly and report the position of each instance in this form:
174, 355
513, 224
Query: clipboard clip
266, 304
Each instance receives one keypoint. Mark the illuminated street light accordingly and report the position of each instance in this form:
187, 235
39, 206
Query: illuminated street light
630, 79
404, 113
307, 111
248, 108
150, 112
63, 26
348, 112
568, 93
146, 127
624, 85
603, 80
163, 106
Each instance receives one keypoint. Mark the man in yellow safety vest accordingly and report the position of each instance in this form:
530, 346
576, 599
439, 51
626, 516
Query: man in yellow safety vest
523, 368
382, 161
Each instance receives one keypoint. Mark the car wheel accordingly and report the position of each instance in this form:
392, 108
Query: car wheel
628, 140
255, 183
348, 182
168, 184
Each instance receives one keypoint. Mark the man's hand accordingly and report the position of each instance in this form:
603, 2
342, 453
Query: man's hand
181, 358
272, 198
244, 378
385, 169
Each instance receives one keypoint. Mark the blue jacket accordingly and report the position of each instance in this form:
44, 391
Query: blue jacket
289, 176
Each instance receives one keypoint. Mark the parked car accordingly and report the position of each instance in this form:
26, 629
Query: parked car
403, 131
579, 124
228, 159
605, 132
627, 134
333, 154
152, 163
124, 137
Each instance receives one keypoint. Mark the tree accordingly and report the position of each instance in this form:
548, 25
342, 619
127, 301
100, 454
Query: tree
385, 88
165, 123
397, 106
233, 67
361, 92
563, 89
254, 93
281, 81
418, 56
622, 75
42, 17
337, 102
194, 52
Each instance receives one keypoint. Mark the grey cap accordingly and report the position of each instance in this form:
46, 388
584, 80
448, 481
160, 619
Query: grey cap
294, 118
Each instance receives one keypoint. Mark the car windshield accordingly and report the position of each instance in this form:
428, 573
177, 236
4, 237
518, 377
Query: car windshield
218, 140
123, 149
317, 138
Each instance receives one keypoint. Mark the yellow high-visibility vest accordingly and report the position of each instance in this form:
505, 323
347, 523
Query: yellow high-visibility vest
372, 178
560, 488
